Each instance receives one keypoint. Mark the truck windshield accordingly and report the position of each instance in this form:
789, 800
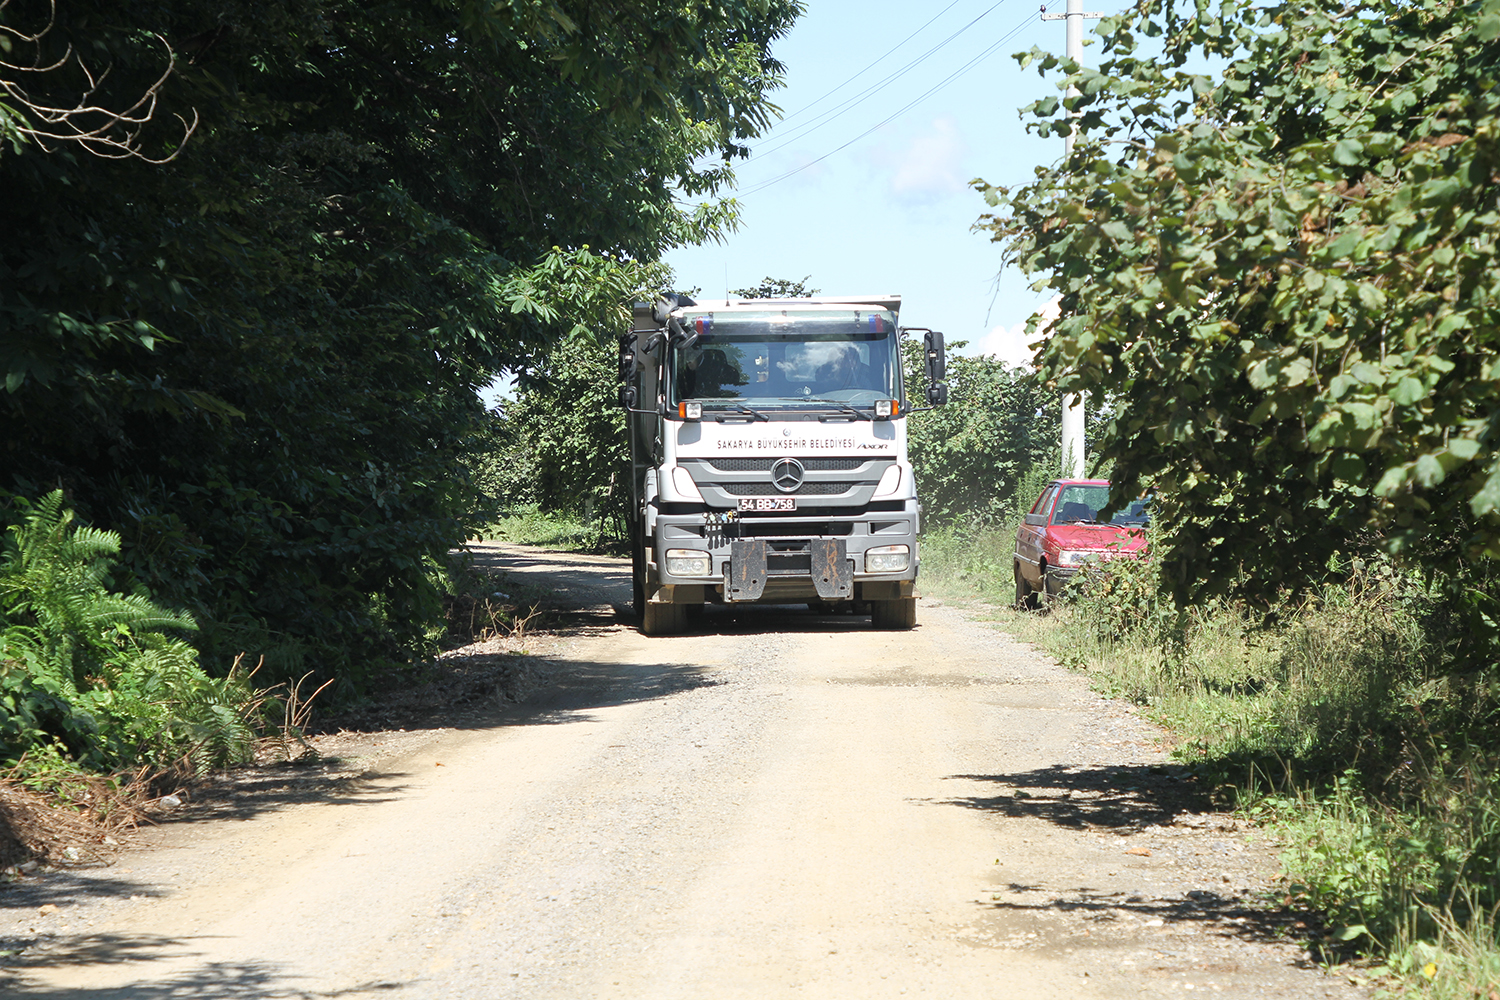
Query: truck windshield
782, 359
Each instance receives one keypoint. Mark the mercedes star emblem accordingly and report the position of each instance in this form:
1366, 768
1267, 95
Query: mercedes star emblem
786, 475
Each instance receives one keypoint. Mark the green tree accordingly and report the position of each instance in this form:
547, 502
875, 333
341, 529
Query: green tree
1286, 273
777, 288
565, 434
258, 362
970, 455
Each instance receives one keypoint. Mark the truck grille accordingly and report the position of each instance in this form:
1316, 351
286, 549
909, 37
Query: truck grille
811, 464
767, 490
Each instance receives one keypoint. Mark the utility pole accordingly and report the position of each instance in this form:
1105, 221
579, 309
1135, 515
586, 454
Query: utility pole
1074, 448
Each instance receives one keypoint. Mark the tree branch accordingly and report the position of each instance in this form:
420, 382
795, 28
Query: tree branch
105, 133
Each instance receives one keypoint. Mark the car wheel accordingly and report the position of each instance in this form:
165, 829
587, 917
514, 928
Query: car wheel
1053, 584
1025, 596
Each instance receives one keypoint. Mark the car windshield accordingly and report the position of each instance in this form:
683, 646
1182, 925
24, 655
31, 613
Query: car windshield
787, 359
1081, 505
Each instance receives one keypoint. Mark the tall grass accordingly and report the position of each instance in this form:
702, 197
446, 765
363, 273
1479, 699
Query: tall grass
1344, 718
548, 529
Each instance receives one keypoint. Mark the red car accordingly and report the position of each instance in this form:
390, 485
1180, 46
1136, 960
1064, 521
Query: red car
1063, 533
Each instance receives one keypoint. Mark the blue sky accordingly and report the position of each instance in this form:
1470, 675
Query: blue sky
891, 212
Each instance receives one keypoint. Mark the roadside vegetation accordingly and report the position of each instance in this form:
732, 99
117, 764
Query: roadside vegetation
240, 341
249, 288
1281, 277
1339, 719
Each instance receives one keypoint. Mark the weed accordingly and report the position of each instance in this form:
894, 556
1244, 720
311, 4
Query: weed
552, 530
1350, 719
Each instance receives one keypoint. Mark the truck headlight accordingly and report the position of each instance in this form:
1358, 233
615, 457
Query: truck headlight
887, 559
688, 562
1075, 557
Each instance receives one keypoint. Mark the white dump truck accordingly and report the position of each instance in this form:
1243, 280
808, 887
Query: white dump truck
768, 456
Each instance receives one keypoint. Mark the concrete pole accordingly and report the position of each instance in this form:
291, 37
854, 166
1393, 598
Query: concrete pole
1074, 448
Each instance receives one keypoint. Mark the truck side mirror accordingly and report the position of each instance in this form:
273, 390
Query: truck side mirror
937, 368
629, 368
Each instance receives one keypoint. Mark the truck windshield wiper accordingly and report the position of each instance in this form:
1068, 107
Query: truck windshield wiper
756, 414
861, 414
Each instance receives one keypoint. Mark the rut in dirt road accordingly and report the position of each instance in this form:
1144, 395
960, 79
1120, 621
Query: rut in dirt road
776, 804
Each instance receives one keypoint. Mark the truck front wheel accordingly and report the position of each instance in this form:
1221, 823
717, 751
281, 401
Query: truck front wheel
663, 619
637, 572
899, 614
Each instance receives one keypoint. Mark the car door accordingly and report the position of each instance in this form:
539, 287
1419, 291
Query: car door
1029, 536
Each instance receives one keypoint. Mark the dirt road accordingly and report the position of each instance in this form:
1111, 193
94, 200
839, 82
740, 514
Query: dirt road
775, 805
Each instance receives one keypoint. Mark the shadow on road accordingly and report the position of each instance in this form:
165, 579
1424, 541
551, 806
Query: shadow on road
65, 887
760, 619
213, 981
1099, 912
1122, 800
1116, 796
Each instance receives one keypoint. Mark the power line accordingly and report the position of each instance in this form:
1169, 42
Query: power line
898, 113
807, 128
869, 65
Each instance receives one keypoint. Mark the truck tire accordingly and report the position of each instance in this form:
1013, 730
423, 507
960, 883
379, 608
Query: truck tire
900, 614
663, 619
1026, 599
637, 573
638, 592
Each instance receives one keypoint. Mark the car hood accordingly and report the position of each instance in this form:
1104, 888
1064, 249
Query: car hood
1098, 537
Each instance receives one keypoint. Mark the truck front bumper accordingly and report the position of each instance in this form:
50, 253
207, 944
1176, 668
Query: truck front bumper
784, 559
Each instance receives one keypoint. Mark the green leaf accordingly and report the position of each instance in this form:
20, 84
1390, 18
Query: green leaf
1349, 468
1407, 391
1487, 500
1464, 448
1362, 415
1442, 191
1343, 244
1348, 152
1429, 471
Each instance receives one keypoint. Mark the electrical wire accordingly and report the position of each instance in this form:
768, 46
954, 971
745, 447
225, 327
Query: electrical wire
985, 54
807, 128
868, 66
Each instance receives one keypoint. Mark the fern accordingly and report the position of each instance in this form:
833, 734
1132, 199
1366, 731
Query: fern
99, 670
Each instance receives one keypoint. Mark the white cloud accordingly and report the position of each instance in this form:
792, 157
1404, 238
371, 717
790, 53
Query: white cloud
930, 167
1006, 343
1011, 344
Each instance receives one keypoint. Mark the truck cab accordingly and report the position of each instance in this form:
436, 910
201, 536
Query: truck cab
768, 456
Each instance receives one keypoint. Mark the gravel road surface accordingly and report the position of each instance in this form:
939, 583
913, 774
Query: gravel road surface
777, 804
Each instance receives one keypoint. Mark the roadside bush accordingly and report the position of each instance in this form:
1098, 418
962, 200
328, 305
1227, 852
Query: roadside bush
971, 456
106, 675
1355, 721
972, 557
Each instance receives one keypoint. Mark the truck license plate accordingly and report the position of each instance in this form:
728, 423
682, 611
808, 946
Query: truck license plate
768, 503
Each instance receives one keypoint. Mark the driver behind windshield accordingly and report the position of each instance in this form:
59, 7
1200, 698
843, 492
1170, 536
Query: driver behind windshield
843, 371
